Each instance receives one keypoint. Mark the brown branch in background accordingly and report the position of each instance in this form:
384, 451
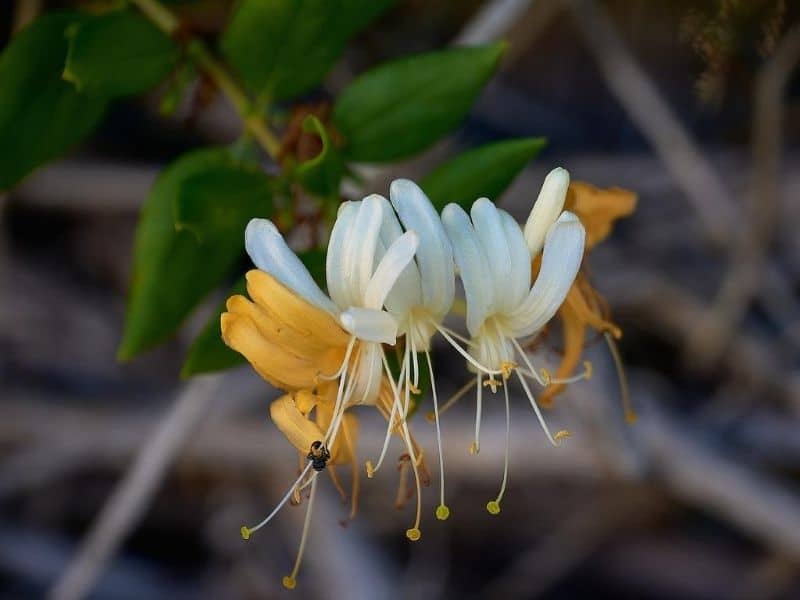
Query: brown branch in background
132, 496
655, 119
748, 253
25, 11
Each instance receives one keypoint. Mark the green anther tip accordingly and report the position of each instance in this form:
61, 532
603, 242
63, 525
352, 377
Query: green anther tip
245, 531
413, 534
493, 506
442, 512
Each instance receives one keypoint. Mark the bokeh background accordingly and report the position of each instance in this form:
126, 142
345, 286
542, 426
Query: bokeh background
693, 105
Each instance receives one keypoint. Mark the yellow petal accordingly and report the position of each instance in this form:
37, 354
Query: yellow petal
598, 208
309, 348
282, 369
297, 427
295, 312
582, 303
341, 451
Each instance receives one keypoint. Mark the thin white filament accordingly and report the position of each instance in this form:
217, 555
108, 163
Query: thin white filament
527, 362
466, 354
282, 502
536, 408
508, 442
306, 527
438, 429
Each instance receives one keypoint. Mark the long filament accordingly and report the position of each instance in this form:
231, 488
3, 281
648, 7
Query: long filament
290, 581
395, 406
466, 354
527, 362
476, 445
247, 531
442, 512
494, 506
627, 406
452, 400
539, 416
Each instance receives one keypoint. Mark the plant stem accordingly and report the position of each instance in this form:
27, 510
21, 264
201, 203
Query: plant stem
165, 20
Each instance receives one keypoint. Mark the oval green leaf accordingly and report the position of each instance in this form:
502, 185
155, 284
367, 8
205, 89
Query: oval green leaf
402, 107
118, 54
283, 48
41, 115
175, 268
483, 172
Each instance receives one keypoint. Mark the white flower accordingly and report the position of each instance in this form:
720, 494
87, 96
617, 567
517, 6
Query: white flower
493, 258
419, 300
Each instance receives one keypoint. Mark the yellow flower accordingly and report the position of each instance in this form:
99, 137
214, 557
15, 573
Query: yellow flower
584, 307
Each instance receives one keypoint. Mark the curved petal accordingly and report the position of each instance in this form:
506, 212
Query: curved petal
360, 246
472, 265
294, 311
389, 269
370, 325
335, 264
368, 374
434, 255
563, 252
546, 209
520, 283
296, 426
492, 237
269, 252
407, 290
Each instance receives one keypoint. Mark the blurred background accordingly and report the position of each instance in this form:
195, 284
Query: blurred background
693, 105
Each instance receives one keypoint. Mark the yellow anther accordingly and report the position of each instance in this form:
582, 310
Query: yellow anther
589, 368
245, 531
442, 512
492, 383
546, 378
474, 448
289, 582
430, 417
414, 389
493, 506
560, 435
413, 534
370, 469
507, 368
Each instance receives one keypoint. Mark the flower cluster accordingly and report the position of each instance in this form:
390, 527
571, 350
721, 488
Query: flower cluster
391, 272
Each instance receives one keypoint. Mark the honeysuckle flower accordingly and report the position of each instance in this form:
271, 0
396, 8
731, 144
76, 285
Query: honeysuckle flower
325, 351
584, 307
493, 256
419, 302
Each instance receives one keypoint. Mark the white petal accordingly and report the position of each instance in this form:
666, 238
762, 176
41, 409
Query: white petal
335, 262
548, 206
406, 292
471, 263
520, 283
434, 255
393, 263
367, 372
370, 325
360, 247
269, 252
492, 237
563, 252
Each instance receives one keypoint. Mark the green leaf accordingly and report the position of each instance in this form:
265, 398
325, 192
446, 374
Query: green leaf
118, 54
41, 115
402, 107
174, 269
483, 172
208, 352
322, 174
219, 202
283, 48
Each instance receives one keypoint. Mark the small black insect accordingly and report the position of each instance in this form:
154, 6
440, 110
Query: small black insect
319, 456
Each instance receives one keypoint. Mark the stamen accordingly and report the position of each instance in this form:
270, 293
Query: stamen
248, 531
456, 335
561, 434
493, 506
442, 511
290, 581
415, 366
462, 391
627, 406
356, 475
466, 354
395, 406
475, 447
413, 534
586, 374
527, 362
